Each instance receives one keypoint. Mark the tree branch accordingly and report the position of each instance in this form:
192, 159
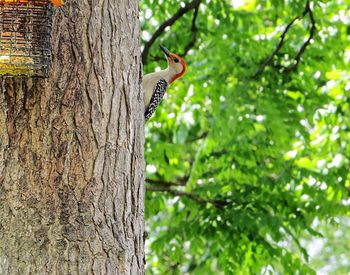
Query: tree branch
307, 42
194, 30
269, 60
171, 21
217, 203
180, 182
193, 139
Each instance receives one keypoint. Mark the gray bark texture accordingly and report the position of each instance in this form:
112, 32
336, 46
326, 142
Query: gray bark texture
71, 150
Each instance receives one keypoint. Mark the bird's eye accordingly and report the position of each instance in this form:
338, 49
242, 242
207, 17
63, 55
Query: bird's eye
176, 60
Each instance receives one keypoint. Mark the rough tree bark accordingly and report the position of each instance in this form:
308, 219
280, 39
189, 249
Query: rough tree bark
71, 150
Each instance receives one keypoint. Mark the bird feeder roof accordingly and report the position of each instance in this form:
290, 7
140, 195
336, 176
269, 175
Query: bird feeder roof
23, 2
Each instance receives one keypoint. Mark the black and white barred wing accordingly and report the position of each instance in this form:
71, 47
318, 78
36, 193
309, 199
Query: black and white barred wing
156, 98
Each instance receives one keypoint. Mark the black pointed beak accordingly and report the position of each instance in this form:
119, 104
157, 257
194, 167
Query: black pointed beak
165, 50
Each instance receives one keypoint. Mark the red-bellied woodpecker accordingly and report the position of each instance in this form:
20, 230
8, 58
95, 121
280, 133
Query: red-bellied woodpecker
155, 84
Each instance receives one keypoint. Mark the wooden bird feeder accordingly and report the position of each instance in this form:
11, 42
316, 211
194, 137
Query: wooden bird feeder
25, 31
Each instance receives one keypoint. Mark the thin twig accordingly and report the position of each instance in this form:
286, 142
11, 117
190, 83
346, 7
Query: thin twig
193, 139
269, 60
180, 182
194, 197
183, 10
306, 43
194, 30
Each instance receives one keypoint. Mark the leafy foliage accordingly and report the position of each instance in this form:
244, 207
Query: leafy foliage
240, 164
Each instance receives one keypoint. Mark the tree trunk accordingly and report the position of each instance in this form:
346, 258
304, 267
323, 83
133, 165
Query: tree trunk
71, 150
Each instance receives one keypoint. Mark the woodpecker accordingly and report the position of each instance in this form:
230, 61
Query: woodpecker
155, 84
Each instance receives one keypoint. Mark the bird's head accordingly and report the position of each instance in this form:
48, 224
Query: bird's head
177, 65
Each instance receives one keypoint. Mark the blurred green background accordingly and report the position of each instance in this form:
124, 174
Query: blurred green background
248, 154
